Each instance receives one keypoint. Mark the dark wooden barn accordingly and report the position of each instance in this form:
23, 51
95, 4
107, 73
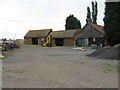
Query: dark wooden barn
36, 37
90, 34
64, 37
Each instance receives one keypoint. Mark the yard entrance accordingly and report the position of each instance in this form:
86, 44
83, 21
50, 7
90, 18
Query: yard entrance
35, 41
59, 41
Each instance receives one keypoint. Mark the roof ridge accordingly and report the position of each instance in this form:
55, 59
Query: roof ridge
72, 29
98, 27
59, 31
66, 30
40, 30
96, 24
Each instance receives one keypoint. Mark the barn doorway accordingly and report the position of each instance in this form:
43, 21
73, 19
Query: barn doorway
35, 41
59, 41
82, 42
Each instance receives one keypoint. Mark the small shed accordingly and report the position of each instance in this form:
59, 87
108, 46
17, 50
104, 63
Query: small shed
36, 37
90, 34
64, 37
20, 41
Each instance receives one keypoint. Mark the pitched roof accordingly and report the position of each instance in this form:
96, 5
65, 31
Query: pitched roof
91, 30
65, 33
99, 28
38, 33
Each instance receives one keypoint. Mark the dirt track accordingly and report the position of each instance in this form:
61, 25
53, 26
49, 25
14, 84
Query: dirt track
42, 67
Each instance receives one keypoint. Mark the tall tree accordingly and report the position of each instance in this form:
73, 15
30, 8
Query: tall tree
94, 12
72, 23
88, 20
112, 22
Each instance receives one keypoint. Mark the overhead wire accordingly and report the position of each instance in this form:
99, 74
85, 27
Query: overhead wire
13, 20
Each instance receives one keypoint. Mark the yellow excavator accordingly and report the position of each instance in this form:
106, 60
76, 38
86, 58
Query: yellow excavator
47, 41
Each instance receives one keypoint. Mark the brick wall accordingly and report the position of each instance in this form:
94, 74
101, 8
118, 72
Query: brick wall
53, 42
39, 41
68, 42
27, 41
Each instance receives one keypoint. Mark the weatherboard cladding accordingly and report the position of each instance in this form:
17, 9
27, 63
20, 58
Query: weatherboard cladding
28, 41
91, 31
38, 33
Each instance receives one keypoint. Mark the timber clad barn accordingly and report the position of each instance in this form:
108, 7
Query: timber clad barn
64, 37
35, 37
91, 34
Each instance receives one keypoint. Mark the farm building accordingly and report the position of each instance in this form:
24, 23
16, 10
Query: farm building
20, 41
90, 34
64, 37
36, 37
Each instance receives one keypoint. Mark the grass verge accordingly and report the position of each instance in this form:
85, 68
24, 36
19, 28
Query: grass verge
15, 71
111, 68
1, 58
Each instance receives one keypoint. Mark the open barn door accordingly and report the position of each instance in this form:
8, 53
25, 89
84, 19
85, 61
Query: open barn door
59, 41
35, 41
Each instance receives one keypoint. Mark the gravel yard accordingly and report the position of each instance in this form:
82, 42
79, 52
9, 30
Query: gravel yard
57, 67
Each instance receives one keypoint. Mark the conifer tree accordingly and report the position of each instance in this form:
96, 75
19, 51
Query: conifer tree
88, 20
94, 13
112, 22
72, 23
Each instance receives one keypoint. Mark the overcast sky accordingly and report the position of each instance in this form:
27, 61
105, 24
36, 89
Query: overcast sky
19, 16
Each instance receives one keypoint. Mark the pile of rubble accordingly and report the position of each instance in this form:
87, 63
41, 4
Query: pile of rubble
110, 52
1, 56
8, 44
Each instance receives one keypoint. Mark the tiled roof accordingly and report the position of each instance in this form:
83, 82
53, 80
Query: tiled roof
65, 33
99, 28
38, 33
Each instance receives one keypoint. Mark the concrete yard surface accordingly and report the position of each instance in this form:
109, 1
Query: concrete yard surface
57, 67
